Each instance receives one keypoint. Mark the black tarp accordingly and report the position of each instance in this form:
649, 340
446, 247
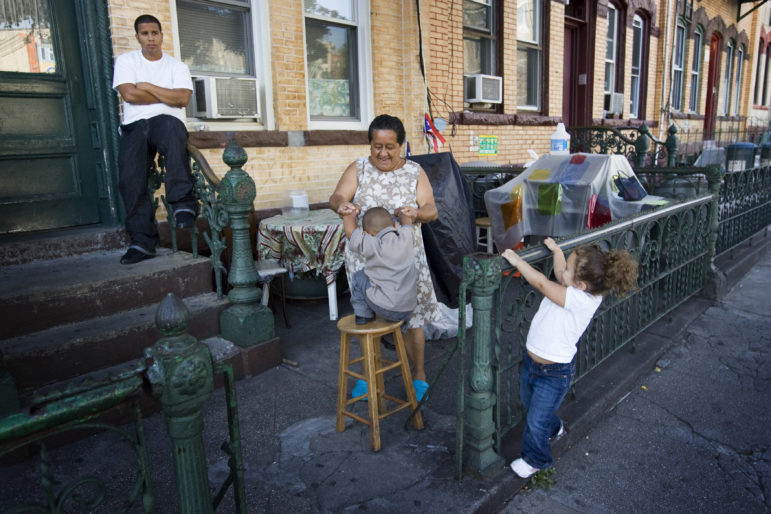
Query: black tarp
453, 235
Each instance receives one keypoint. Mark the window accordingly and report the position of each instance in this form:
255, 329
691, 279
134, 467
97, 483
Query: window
698, 41
678, 58
637, 58
218, 39
729, 63
27, 45
611, 54
529, 52
765, 74
756, 97
479, 43
336, 50
738, 81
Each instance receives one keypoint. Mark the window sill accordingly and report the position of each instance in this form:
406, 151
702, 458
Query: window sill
686, 116
760, 107
278, 138
487, 118
620, 122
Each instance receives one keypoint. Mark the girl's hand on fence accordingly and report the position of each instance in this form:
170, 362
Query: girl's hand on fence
511, 256
550, 244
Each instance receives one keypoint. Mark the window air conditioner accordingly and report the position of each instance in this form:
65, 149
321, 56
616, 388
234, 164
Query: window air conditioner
616, 103
224, 97
486, 89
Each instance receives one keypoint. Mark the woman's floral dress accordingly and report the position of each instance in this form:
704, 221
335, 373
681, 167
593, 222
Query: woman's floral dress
391, 190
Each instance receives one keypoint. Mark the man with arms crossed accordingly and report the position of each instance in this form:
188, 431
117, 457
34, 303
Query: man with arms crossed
155, 88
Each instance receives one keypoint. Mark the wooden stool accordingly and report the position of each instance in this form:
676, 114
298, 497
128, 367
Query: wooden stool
374, 366
486, 239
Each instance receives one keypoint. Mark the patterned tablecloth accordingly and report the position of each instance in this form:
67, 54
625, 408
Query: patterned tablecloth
314, 242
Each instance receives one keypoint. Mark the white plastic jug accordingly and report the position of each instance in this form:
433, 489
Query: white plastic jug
560, 141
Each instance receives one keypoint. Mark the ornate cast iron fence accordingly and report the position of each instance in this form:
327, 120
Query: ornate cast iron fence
744, 205
180, 371
633, 142
212, 209
675, 248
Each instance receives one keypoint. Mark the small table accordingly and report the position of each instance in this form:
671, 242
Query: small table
314, 242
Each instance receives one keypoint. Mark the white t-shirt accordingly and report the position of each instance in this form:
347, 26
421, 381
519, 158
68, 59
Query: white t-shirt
168, 72
555, 330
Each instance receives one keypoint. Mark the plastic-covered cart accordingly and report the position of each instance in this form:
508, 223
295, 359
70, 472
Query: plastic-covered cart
561, 195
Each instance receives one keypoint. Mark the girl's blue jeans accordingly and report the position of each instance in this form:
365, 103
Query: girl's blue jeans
542, 387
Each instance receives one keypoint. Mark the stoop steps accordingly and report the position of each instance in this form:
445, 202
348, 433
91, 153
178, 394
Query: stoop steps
73, 315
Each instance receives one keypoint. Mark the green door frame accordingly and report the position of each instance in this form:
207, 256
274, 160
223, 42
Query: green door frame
96, 47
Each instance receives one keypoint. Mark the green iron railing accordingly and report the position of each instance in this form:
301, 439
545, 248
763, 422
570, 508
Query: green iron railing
673, 248
633, 142
180, 371
744, 206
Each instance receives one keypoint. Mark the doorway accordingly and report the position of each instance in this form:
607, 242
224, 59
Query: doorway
713, 76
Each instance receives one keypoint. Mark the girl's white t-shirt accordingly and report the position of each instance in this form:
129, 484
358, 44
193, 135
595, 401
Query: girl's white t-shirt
555, 330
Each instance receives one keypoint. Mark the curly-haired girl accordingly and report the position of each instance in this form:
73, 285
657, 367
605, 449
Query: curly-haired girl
565, 311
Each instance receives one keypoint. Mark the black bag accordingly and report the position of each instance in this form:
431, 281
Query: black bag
629, 188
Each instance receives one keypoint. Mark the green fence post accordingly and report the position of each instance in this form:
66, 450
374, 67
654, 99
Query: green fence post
671, 145
480, 458
714, 282
642, 144
180, 370
246, 322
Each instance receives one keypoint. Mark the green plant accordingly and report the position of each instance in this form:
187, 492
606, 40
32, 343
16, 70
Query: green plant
543, 479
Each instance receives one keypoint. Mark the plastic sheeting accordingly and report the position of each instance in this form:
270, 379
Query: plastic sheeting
561, 195
453, 235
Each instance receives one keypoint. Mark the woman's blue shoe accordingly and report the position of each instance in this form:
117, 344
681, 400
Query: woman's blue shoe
421, 387
359, 389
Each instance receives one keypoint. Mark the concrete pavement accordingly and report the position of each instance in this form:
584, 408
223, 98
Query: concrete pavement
694, 439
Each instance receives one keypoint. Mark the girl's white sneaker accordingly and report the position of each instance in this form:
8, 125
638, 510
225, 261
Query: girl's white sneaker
522, 468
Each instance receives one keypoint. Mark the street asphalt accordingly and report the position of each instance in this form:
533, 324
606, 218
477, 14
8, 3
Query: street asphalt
675, 422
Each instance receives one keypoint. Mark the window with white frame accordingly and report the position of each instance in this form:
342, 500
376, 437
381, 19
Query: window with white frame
217, 40
479, 37
757, 96
738, 80
678, 59
698, 41
337, 63
529, 54
637, 55
611, 54
729, 66
765, 74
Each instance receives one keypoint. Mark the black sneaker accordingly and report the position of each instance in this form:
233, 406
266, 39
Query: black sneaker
363, 320
132, 256
185, 219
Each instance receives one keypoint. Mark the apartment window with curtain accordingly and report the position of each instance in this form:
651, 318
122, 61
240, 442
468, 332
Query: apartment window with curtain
479, 42
765, 75
637, 54
738, 79
529, 54
611, 54
757, 96
729, 67
678, 58
217, 41
698, 41
336, 59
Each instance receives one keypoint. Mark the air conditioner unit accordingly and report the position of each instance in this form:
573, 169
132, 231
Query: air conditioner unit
616, 103
225, 97
480, 88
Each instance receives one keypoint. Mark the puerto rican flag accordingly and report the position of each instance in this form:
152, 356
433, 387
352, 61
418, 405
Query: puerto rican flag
433, 136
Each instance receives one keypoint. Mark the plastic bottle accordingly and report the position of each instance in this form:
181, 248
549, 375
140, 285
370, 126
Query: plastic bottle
560, 141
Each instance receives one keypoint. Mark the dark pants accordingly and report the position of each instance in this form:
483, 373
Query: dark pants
139, 143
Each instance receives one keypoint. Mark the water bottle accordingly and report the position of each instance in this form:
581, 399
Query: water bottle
560, 141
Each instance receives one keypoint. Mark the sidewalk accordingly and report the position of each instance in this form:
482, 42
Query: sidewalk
296, 462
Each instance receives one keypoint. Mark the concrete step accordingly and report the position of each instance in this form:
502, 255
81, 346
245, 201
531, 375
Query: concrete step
53, 244
42, 294
62, 352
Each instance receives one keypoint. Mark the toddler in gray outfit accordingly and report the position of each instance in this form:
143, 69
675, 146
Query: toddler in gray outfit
387, 286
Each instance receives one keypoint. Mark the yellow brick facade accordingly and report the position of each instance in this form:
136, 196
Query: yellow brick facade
398, 86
